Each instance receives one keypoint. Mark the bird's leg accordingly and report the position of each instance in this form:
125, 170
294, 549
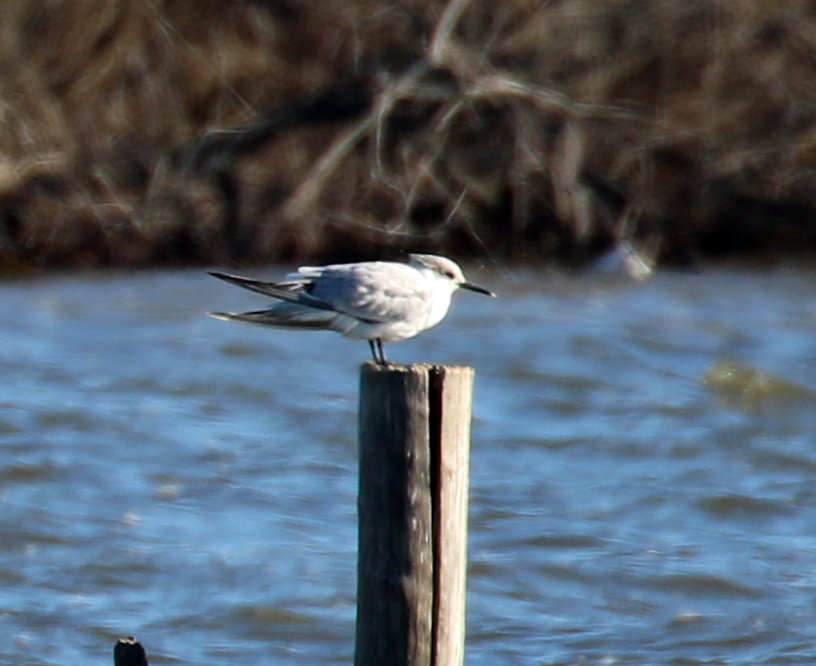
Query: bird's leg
374, 351
377, 351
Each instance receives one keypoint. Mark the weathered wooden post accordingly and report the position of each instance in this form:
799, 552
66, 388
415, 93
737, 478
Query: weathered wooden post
129, 652
413, 505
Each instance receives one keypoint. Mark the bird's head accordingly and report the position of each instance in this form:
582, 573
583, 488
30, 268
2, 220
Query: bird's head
446, 271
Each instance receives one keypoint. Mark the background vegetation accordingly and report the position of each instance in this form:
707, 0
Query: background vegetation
139, 132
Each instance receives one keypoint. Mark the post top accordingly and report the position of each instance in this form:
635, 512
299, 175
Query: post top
399, 368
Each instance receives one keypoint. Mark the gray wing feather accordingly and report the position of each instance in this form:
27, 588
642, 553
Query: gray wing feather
373, 292
291, 291
285, 315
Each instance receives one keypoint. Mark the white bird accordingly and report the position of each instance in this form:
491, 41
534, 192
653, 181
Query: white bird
378, 301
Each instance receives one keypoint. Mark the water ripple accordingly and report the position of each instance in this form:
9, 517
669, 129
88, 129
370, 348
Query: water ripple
641, 484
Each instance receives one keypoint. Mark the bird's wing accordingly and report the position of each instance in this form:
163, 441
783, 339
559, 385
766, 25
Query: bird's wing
294, 291
374, 292
285, 315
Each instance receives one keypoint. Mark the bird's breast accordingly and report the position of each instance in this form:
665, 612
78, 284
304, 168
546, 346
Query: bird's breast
439, 308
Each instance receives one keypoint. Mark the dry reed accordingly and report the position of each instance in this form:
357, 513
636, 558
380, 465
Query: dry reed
157, 132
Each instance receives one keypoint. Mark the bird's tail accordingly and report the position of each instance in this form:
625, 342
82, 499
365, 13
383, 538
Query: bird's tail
284, 315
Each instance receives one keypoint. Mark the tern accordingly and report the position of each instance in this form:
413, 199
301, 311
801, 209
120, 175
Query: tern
378, 301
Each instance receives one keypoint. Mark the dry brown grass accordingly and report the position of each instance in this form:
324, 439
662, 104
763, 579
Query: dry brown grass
135, 133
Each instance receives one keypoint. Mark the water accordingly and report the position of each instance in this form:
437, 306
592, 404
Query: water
642, 489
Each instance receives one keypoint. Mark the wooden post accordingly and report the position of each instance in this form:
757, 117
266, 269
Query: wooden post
129, 652
413, 502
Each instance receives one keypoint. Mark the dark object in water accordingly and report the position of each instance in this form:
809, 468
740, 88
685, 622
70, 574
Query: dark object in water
129, 652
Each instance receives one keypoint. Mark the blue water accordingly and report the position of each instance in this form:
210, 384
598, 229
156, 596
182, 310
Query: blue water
642, 484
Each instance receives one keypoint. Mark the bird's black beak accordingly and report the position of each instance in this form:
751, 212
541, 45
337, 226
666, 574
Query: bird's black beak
477, 288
